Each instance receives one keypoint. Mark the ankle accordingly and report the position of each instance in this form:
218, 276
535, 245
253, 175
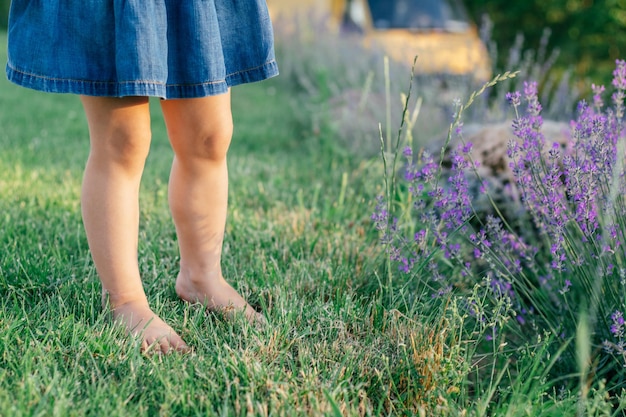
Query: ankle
116, 300
200, 275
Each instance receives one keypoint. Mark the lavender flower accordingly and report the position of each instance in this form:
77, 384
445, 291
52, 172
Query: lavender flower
619, 82
514, 98
617, 326
566, 287
380, 215
619, 75
598, 102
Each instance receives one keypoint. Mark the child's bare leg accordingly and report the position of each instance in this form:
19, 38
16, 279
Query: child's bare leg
200, 131
119, 130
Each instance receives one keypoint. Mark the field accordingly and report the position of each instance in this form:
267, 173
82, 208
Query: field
349, 334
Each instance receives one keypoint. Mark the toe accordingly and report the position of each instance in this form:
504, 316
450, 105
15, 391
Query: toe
180, 346
164, 345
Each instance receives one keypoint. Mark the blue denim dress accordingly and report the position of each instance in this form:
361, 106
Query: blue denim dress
163, 48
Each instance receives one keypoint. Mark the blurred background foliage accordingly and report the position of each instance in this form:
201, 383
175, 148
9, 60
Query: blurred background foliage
4, 13
590, 34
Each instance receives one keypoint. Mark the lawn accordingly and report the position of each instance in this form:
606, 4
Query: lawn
298, 245
359, 325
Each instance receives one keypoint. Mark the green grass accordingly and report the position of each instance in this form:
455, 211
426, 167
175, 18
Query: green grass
347, 336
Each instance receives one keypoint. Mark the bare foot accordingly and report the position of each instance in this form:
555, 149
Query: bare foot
217, 295
139, 320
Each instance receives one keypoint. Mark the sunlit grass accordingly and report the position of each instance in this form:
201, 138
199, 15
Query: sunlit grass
300, 244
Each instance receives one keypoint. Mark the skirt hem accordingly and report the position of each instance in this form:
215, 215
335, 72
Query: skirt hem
139, 87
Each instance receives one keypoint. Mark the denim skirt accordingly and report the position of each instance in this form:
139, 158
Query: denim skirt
163, 48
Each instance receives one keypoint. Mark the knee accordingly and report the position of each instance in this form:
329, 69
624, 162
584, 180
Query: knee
208, 144
124, 145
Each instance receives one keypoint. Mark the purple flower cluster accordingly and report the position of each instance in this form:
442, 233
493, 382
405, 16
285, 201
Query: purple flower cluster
448, 246
573, 194
619, 82
618, 332
568, 190
617, 326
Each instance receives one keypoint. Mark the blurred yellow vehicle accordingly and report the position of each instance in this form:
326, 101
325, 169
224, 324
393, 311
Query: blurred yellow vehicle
439, 32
